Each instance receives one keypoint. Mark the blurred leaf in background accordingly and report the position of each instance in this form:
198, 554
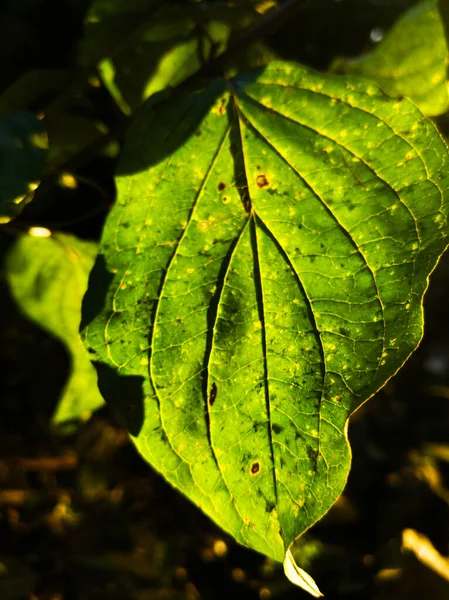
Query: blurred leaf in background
48, 274
23, 153
410, 61
140, 52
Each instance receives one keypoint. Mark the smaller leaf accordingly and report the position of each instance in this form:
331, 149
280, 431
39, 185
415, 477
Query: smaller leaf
410, 61
48, 278
30, 88
23, 152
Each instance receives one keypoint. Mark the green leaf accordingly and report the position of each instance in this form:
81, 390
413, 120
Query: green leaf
411, 60
23, 152
268, 255
48, 277
162, 49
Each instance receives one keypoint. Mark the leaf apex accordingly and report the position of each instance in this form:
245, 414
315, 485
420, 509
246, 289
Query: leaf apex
299, 577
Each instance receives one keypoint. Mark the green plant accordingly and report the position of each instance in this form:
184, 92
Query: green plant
262, 271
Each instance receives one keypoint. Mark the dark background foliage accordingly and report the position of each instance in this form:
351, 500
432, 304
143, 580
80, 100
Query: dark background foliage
83, 517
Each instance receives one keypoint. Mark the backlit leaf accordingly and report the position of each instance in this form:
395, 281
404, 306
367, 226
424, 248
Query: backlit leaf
47, 277
268, 255
411, 60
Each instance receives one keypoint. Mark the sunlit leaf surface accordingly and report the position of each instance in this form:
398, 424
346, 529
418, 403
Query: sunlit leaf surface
267, 257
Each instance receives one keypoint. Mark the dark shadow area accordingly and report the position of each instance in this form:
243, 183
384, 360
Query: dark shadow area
124, 393
94, 299
22, 158
162, 125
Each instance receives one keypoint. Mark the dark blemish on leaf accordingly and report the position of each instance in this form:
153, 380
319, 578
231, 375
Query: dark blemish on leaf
311, 454
277, 428
300, 226
344, 331
337, 399
246, 201
258, 167
440, 176
221, 186
124, 225
351, 207
269, 506
221, 108
285, 193
321, 245
164, 437
224, 199
297, 435
91, 351
198, 133
255, 468
282, 461
213, 394
261, 181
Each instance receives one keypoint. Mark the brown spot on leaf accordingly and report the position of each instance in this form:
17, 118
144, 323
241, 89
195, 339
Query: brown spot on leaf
255, 468
261, 181
224, 199
213, 394
221, 186
198, 133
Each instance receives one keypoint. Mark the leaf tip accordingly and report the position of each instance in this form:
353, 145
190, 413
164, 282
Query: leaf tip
299, 577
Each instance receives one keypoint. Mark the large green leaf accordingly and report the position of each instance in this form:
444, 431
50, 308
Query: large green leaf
23, 152
411, 60
48, 278
269, 251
